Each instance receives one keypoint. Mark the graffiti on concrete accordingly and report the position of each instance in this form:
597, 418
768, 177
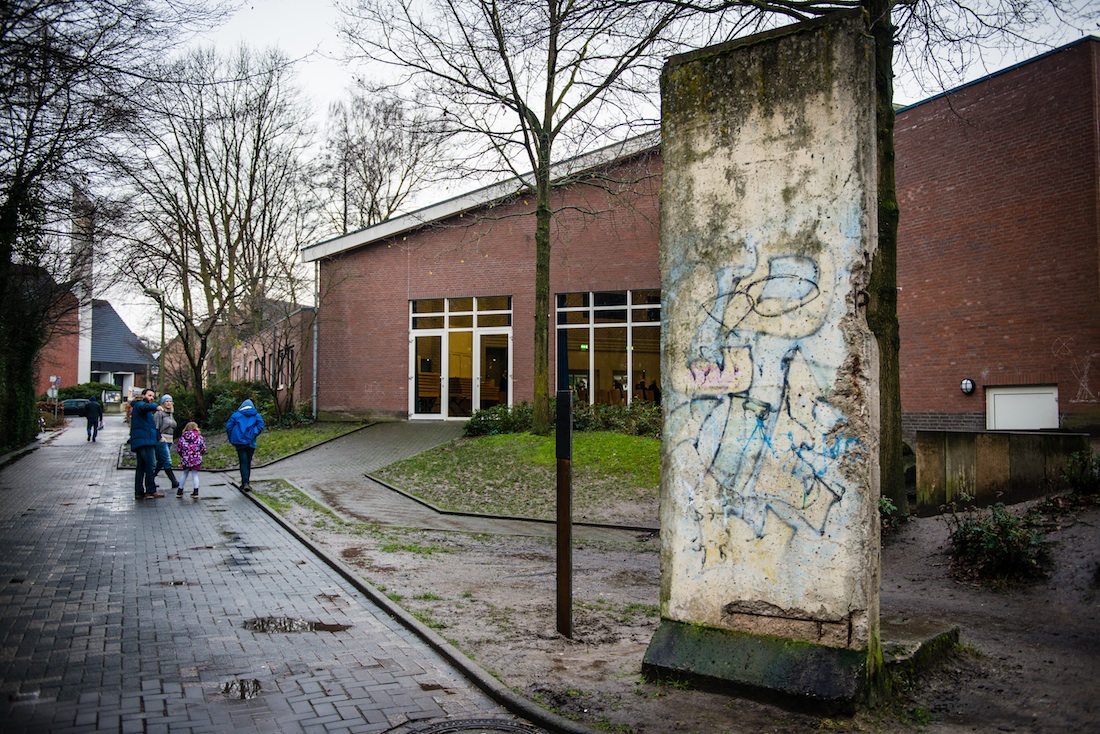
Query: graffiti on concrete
1080, 365
756, 426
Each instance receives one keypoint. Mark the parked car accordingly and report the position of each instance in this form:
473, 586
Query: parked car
74, 406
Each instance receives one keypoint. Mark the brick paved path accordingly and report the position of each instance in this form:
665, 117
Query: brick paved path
124, 615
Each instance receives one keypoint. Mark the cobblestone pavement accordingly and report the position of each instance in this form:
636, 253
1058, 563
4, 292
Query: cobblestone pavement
134, 616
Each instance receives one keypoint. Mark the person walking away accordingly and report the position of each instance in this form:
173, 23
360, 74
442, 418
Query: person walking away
94, 415
166, 434
243, 427
143, 441
190, 447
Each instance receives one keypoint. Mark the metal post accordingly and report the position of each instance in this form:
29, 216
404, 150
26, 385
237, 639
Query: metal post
565, 512
158, 295
163, 375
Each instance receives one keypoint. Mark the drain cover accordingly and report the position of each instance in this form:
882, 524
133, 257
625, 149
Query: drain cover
476, 726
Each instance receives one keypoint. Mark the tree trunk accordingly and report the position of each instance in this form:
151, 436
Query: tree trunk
882, 304
882, 307
540, 418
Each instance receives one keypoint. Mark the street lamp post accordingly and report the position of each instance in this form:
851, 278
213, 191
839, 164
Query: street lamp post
158, 295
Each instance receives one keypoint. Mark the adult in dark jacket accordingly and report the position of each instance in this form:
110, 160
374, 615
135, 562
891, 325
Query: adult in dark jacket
143, 441
93, 411
242, 428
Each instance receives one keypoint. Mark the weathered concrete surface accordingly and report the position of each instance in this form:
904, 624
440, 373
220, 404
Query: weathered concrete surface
769, 500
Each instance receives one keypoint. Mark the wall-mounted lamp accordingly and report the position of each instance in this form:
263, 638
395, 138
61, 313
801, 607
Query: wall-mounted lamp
967, 386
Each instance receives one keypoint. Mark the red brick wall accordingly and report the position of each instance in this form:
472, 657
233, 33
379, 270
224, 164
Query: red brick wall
61, 354
296, 332
601, 242
998, 255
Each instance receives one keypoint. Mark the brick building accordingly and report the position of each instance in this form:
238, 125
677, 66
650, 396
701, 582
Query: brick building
61, 355
94, 344
430, 315
999, 188
280, 355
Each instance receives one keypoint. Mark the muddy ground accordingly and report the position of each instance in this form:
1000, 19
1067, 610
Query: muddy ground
1029, 659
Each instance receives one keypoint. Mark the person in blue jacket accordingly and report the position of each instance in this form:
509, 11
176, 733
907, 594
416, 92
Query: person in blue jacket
143, 441
243, 427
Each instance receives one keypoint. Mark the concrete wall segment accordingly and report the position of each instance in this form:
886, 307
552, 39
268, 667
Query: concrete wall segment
769, 478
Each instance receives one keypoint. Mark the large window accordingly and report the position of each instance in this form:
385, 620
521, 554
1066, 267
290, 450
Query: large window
613, 342
460, 355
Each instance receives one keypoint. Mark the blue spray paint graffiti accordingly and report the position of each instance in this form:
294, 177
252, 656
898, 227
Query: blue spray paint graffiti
753, 411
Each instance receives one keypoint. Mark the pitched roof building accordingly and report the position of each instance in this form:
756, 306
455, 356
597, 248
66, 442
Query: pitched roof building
430, 315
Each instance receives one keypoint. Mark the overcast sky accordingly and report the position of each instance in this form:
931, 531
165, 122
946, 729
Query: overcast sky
303, 29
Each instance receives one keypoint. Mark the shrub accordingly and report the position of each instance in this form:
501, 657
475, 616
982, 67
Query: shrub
51, 414
1082, 472
85, 390
639, 418
225, 397
995, 544
499, 419
889, 517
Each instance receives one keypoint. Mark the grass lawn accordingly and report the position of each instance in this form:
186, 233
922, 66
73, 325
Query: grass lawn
514, 474
273, 444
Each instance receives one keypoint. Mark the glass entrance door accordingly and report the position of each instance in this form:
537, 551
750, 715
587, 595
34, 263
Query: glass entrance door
495, 366
427, 372
461, 355
460, 374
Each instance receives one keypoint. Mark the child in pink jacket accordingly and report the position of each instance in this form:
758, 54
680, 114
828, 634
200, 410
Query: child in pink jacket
191, 447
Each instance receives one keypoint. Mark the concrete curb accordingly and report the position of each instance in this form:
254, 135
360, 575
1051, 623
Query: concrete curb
491, 686
483, 516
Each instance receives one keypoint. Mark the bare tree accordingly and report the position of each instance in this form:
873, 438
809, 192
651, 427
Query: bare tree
222, 200
380, 151
519, 84
280, 348
69, 74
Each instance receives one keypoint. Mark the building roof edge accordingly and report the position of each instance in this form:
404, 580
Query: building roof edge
999, 72
474, 199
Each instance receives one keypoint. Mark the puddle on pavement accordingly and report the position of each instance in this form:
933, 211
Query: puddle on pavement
174, 583
475, 726
241, 688
25, 697
291, 624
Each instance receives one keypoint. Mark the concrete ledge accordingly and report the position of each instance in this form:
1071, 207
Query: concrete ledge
910, 645
776, 669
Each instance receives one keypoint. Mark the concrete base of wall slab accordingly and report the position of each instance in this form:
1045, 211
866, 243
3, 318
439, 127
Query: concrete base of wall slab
790, 672
796, 674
